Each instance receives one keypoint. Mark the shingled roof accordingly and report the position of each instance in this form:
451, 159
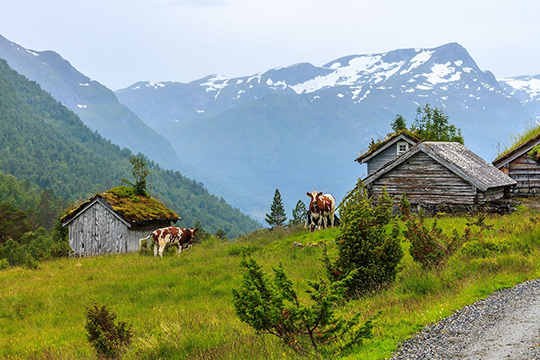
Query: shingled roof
458, 159
128, 207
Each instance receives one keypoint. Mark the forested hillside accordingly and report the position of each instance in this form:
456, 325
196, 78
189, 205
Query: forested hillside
46, 144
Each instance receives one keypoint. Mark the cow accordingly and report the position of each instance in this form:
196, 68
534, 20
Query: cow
182, 238
322, 206
313, 220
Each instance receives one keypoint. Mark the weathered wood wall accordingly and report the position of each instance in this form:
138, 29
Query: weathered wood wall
425, 181
527, 175
97, 231
382, 159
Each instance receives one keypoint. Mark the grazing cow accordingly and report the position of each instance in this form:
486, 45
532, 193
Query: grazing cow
322, 206
182, 238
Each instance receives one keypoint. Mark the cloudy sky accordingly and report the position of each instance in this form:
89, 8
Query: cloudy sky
120, 42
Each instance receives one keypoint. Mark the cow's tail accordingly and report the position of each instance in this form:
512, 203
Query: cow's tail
141, 240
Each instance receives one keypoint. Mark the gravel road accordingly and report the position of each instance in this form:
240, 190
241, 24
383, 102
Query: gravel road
506, 325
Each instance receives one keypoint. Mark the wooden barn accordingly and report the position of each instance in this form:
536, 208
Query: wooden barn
517, 164
436, 173
387, 150
114, 221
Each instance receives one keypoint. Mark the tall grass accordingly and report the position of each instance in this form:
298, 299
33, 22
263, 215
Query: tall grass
532, 130
181, 307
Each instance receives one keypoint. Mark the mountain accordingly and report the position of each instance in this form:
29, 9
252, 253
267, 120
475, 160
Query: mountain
96, 105
299, 128
527, 90
46, 144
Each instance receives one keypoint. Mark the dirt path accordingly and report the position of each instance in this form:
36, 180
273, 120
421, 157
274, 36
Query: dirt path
506, 326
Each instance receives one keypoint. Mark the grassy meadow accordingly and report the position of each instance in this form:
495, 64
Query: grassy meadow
181, 307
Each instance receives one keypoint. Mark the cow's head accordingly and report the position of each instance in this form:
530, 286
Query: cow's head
191, 233
314, 197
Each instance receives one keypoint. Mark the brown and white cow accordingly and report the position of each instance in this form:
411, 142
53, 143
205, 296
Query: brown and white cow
321, 207
182, 238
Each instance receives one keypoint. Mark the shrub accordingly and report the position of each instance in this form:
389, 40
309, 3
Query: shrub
109, 340
272, 306
429, 247
30, 262
368, 243
4, 264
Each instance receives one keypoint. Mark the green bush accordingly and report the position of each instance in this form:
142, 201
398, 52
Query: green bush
109, 340
483, 248
429, 246
534, 154
368, 243
271, 306
4, 264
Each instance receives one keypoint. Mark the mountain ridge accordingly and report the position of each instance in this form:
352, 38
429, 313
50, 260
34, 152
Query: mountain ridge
333, 110
95, 104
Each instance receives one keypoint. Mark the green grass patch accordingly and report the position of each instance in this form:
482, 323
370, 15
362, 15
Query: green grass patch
181, 307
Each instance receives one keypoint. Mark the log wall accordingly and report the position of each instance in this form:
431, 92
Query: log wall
527, 175
425, 181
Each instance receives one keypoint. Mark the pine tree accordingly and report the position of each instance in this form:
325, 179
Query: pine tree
299, 214
368, 252
399, 124
140, 172
277, 216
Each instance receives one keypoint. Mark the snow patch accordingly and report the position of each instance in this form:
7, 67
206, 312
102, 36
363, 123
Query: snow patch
81, 106
359, 70
155, 85
31, 52
440, 74
216, 83
418, 60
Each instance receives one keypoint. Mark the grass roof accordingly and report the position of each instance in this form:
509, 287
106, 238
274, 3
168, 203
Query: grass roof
133, 208
531, 132
377, 144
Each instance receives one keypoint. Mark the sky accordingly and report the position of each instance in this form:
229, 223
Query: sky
121, 42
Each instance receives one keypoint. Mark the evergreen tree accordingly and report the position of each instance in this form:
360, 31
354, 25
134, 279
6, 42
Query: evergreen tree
433, 124
368, 253
139, 171
399, 124
299, 214
277, 216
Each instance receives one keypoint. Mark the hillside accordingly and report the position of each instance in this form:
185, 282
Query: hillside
299, 128
46, 144
181, 308
95, 104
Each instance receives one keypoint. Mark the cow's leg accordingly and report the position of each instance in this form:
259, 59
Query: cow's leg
155, 249
322, 222
179, 251
162, 244
332, 219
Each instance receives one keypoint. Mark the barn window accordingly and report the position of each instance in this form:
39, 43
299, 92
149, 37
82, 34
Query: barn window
402, 146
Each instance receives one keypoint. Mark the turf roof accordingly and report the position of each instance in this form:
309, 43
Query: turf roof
135, 209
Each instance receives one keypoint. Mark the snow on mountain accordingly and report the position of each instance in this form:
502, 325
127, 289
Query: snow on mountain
270, 130
527, 90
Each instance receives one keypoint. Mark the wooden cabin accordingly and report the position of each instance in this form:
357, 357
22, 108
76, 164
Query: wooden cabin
387, 150
517, 164
114, 221
436, 173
